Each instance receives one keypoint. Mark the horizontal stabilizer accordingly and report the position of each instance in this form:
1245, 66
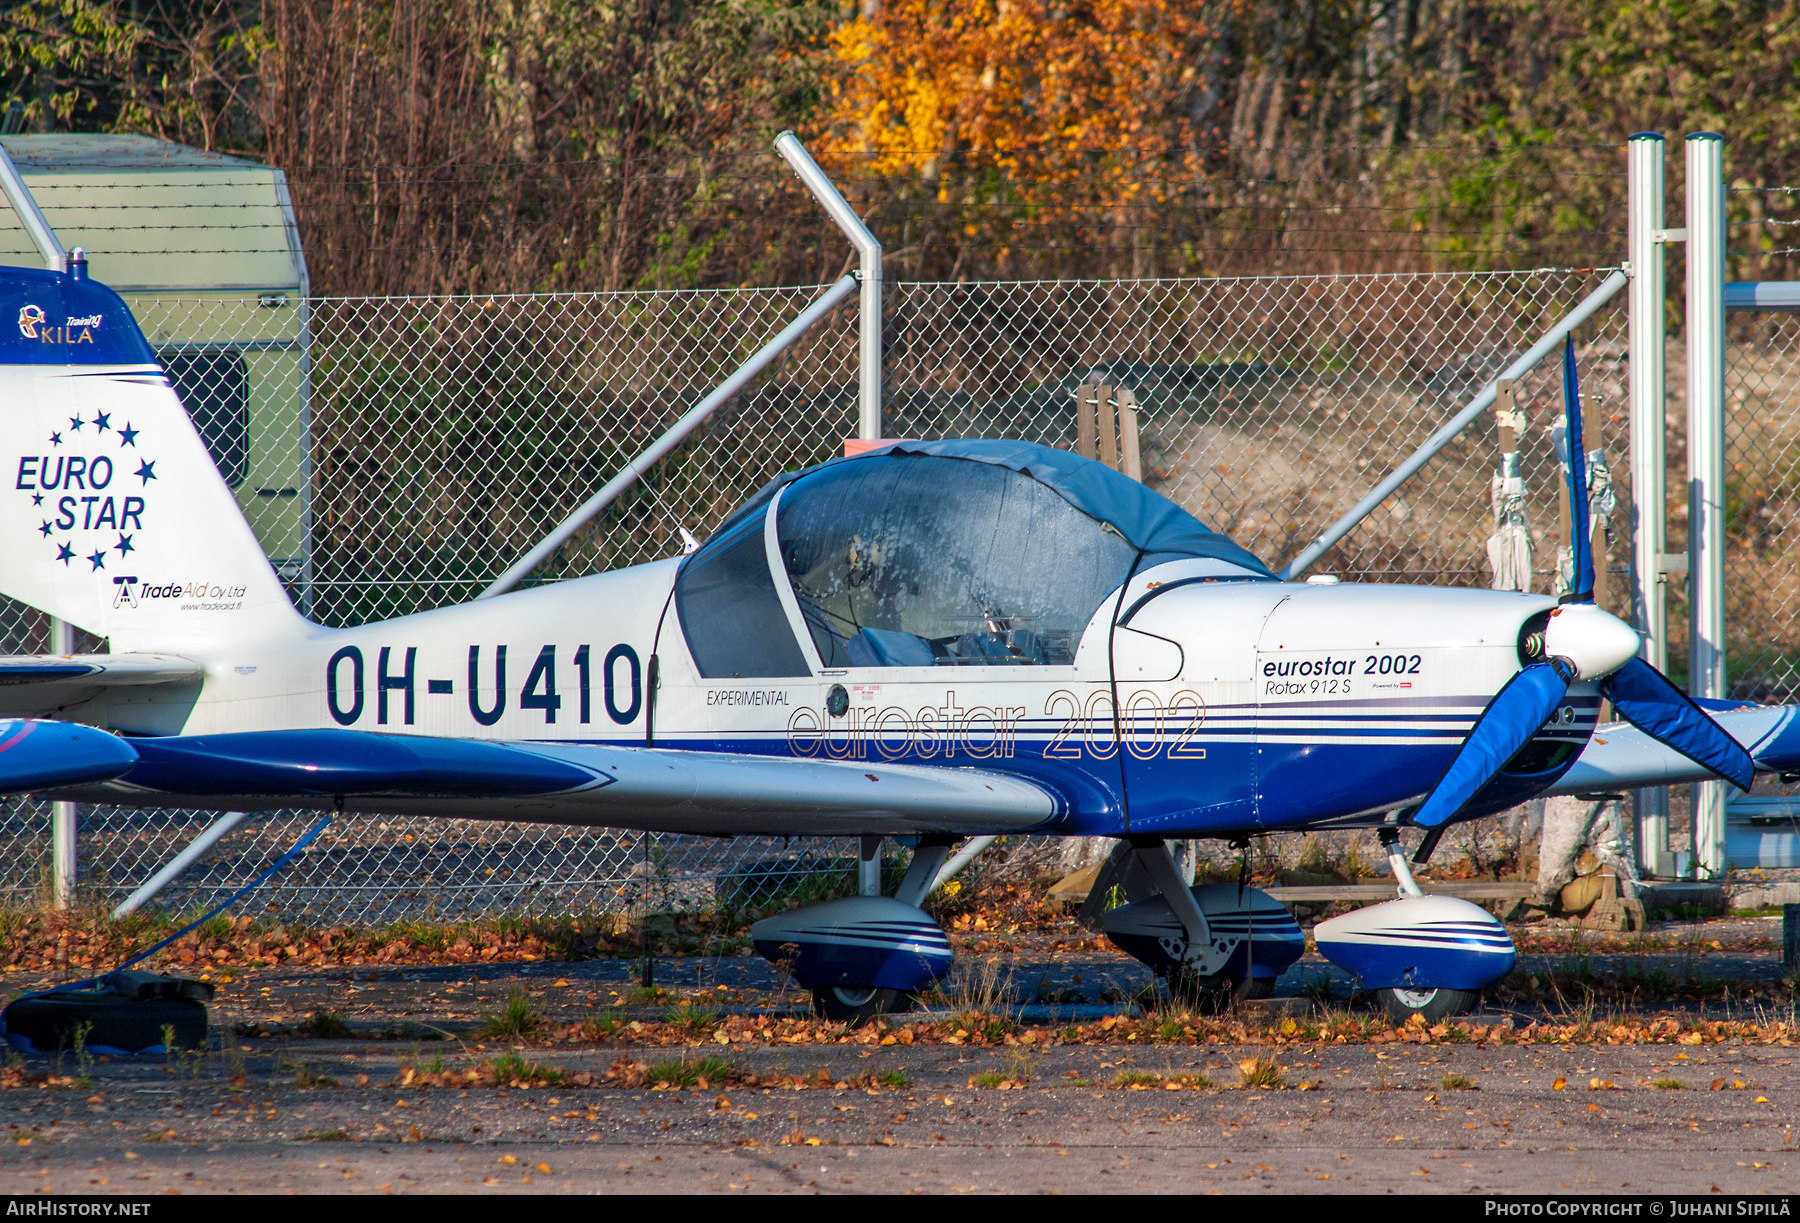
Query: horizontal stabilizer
44, 755
108, 670
40, 685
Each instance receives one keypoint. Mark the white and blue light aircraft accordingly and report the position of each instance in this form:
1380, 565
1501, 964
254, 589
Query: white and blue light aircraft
931, 640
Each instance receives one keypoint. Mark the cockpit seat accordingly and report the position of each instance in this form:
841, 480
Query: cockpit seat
877, 647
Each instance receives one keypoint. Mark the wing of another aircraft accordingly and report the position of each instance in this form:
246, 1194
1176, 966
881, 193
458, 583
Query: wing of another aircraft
1622, 757
589, 784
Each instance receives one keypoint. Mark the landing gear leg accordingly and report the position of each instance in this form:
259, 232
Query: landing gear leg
1390, 843
1431, 1005
1200, 980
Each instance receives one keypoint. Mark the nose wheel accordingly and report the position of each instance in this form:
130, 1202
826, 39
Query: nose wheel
1431, 1005
857, 1004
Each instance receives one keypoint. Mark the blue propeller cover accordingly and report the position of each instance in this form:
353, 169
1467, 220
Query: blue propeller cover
38, 755
1517, 712
1581, 548
1645, 698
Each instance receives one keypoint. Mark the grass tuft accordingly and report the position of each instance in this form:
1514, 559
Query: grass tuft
694, 1020
681, 1072
1261, 1072
306, 1078
1457, 1082
511, 1069
516, 1020
597, 1027
326, 1025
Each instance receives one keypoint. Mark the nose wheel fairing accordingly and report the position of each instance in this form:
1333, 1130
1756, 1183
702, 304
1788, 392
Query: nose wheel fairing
1419, 943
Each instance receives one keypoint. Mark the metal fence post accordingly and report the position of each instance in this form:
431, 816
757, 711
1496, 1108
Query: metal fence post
868, 248
1648, 374
64, 820
1706, 462
31, 217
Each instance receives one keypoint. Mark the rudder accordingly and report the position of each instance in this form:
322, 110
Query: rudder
116, 518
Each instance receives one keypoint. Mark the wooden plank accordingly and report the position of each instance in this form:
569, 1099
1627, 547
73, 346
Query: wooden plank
1084, 422
1107, 426
1130, 458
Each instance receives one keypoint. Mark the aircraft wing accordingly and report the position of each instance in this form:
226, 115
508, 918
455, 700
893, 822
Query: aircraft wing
36, 684
590, 784
1622, 757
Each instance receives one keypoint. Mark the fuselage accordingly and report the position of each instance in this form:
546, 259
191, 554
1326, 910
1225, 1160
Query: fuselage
978, 604
1197, 701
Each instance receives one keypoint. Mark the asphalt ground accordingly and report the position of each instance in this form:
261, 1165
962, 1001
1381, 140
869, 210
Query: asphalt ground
1370, 1120
268, 1109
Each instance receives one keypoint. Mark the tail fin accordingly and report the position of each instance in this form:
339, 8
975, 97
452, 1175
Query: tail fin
114, 517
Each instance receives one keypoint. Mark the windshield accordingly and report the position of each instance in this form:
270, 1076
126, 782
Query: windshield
729, 609
922, 561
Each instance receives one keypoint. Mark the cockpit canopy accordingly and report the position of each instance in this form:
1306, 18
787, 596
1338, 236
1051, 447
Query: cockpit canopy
959, 553
938, 562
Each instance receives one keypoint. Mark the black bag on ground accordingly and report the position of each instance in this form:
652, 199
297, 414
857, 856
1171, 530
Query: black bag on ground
128, 1014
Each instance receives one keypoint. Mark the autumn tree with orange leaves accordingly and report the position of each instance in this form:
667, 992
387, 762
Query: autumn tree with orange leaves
1046, 123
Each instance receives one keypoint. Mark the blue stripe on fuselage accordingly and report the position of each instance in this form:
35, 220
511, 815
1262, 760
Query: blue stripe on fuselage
1276, 777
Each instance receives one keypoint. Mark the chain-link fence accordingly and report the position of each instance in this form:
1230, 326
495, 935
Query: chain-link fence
397, 454
1762, 480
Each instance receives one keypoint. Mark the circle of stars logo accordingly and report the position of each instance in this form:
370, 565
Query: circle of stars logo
114, 508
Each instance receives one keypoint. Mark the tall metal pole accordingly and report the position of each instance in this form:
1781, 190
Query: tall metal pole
12, 184
1649, 590
63, 816
1706, 462
64, 820
868, 372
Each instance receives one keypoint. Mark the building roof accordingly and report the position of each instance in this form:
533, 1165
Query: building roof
154, 215
86, 152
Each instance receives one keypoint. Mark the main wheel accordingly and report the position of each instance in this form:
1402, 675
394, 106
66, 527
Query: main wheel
1210, 995
856, 1005
1432, 1005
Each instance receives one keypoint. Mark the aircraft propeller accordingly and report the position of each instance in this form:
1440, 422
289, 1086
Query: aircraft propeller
1579, 641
